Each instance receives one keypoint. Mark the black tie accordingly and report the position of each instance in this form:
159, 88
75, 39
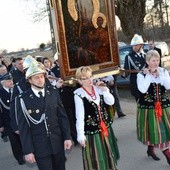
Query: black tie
141, 55
42, 99
9, 92
40, 94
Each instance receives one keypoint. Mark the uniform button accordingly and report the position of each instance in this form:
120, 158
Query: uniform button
48, 125
46, 117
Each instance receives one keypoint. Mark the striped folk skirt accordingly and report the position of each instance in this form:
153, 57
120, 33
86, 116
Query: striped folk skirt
111, 112
100, 153
150, 130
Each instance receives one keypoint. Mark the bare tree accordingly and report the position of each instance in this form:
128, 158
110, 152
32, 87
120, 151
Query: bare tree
40, 13
161, 7
131, 14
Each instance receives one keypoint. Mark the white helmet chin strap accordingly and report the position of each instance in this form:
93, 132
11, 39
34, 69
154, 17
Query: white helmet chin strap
140, 48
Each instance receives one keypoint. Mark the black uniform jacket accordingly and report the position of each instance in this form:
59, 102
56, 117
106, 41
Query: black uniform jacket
36, 138
56, 70
17, 75
19, 88
139, 63
4, 112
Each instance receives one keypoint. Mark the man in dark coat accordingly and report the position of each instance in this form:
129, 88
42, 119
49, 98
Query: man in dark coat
56, 68
5, 94
153, 47
43, 124
67, 97
3, 70
21, 86
135, 62
18, 72
18, 89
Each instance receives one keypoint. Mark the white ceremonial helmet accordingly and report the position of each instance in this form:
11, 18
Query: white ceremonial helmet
137, 40
33, 70
28, 61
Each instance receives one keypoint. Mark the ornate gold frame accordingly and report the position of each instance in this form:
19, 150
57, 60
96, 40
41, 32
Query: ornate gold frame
64, 7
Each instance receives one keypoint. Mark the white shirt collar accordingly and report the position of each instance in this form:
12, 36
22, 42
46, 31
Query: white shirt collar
36, 92
7, 89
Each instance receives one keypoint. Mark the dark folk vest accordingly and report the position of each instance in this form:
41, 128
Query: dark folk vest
148, 99
92, 118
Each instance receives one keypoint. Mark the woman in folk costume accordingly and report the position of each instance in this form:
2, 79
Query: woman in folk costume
93, 124
153, 116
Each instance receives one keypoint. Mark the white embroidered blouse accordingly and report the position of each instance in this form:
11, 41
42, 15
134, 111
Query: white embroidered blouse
79, 106
144, 81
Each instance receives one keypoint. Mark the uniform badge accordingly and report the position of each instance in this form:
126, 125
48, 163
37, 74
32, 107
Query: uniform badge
31, 96
37, 111
29, 111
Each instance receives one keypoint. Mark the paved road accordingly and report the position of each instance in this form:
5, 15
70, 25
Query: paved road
132, 153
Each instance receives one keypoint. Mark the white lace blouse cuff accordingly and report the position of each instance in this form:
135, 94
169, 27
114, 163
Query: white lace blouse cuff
81, 138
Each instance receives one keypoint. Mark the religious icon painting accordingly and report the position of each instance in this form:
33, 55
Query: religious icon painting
86, 35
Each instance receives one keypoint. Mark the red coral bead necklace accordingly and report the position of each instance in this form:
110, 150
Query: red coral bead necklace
92, 94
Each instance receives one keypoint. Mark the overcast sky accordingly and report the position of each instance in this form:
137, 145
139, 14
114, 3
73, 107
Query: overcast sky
17, 29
